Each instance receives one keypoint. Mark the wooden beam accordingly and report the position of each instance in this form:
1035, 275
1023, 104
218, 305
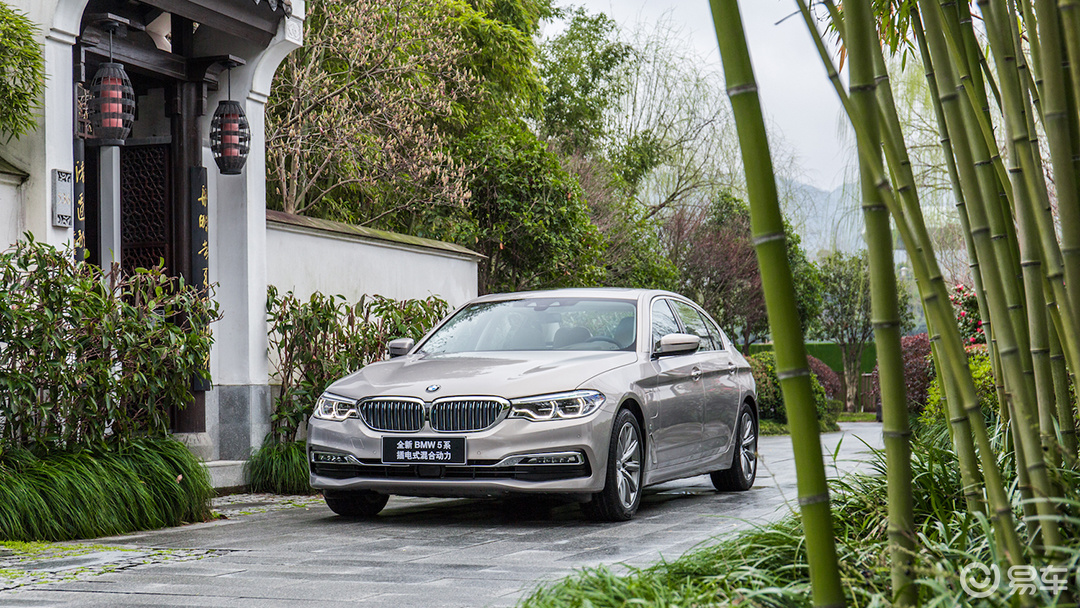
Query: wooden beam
154, 62
241, 18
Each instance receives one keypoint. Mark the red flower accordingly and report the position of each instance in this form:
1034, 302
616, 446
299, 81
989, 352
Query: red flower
963, 313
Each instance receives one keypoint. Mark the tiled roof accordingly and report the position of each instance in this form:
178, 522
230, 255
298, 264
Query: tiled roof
285, 5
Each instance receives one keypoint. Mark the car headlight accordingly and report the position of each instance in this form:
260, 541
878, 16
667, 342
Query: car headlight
556, 406
332, 407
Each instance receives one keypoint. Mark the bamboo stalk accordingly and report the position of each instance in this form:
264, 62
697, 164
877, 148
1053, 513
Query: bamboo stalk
1027, 437
937, 305
1066, 422
770, 245
866, 63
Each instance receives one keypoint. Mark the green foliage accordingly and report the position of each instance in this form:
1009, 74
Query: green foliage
279, 468
326, 338
502, 34
22, 72
89, 358
982, 372
579, 68
102, 490
718, 268
829, 354
845, 314
531, 220
770, 399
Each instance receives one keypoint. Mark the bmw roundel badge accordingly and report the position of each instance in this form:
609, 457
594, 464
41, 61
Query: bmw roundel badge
433, 388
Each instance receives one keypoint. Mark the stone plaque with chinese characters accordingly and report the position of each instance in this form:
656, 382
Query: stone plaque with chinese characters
62, 188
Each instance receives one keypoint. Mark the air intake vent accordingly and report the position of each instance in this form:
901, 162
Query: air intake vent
467, 414
393, 414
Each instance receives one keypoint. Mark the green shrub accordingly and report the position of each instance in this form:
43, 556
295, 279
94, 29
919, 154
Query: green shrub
982, 372
829, 353
100, 491
323, 339
22, 72
918, 372
770, 401
279, 468
90, 358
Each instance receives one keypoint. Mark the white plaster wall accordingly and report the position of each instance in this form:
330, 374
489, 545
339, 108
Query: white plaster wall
304, 261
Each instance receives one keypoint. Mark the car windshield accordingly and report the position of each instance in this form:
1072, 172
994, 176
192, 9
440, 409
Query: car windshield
538, 324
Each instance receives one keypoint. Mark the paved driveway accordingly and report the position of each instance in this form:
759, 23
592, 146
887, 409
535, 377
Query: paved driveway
419, 552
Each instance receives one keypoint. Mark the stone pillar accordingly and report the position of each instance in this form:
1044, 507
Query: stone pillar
109, 206
238, 408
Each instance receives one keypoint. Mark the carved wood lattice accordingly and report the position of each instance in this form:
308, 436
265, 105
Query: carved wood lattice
146, 207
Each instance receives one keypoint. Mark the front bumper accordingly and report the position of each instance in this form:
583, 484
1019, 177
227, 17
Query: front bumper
489, 470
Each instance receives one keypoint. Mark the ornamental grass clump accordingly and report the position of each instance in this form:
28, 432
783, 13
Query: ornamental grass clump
88, 492
767, 565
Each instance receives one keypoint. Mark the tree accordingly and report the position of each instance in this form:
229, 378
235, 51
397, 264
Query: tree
352, 130
530, 218
582, 71
633, 242
714, 253
845, 314
22, 72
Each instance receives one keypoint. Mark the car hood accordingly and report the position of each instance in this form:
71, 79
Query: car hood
505, 374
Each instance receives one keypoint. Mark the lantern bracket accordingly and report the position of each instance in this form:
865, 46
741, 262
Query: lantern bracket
205, 72
111, 23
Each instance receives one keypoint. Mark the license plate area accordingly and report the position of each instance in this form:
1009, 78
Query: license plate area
423, 450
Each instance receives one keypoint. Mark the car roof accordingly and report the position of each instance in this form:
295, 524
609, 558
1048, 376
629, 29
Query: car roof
620, 293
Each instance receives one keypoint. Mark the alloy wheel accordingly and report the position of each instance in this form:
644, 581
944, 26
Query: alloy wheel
628, 465
748, 446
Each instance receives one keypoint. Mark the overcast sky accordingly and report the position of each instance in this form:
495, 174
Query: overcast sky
795, 92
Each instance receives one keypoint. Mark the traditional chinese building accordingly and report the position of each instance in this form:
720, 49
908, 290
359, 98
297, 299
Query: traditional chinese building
182, 183
151, 147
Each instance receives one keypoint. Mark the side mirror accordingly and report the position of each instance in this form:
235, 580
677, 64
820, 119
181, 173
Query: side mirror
400, 347
677, 344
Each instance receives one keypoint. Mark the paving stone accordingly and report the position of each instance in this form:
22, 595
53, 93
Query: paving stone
292, 552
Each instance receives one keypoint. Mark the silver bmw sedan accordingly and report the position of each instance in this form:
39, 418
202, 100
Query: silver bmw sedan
589, 393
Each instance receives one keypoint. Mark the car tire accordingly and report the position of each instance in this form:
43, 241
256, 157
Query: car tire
621, 496
362, 503
743, 471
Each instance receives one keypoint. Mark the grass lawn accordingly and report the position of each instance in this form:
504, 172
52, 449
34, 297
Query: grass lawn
857, 417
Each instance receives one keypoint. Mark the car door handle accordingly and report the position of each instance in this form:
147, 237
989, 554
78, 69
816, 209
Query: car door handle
731, 368
695, 374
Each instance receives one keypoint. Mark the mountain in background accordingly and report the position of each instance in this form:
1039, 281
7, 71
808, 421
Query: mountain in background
825, 220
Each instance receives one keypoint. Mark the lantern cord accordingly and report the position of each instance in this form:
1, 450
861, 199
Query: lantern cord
110, 45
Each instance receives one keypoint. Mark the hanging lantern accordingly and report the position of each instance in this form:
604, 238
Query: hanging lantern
230, 135
111, 108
